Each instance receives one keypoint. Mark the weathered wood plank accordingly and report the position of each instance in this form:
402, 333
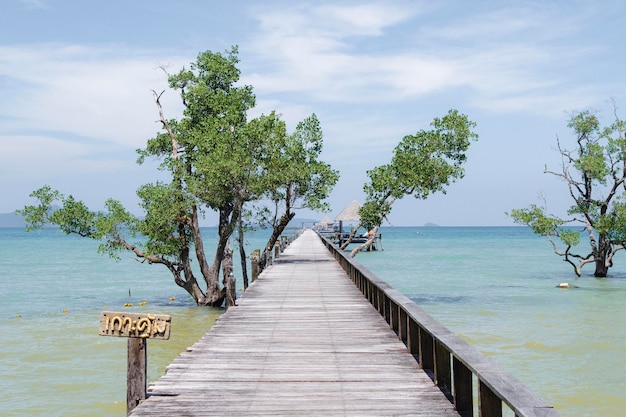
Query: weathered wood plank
302, 341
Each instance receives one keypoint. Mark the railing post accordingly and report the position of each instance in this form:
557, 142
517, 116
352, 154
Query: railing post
231, 291
443, 373
412, 341
387, 307
402, 325
254, 264
463, 402
489, 405
426, 351
136, 372
393, 317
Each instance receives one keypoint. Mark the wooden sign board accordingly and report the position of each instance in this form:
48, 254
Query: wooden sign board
144, 326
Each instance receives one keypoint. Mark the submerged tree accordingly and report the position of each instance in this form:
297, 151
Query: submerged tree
214, 157
422, 164
594, 173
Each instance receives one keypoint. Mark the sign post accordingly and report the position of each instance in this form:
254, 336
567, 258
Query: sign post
138, 328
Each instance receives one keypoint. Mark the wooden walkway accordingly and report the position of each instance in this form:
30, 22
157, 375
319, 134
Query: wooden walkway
303, 341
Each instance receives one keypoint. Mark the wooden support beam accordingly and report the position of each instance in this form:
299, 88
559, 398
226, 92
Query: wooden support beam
443, 373
463, 402
254, 264
426, 352
489, 405
136, 373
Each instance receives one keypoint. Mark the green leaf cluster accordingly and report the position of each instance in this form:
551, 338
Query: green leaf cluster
296, 173
112, 227
422, 164
536, 218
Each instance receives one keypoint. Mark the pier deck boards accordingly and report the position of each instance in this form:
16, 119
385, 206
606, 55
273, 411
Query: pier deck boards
302, 342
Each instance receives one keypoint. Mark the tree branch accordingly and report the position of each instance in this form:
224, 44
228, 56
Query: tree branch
165, 123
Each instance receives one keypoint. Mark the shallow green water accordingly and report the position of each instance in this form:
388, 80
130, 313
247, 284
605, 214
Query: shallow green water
58, 365
53, 288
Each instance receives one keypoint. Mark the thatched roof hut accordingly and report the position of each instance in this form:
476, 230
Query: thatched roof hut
350, 213
326, 221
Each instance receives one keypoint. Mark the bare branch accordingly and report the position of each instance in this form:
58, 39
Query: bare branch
166, 125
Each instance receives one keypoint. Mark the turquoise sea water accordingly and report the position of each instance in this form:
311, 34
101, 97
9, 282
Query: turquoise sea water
495, 287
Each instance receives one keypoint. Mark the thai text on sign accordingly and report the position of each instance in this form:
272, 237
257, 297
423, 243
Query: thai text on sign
145, 326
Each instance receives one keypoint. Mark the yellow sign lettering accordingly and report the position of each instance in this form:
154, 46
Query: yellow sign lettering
146, 326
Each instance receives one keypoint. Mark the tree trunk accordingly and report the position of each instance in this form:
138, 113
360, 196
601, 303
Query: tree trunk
601, 269
374, 231
242, 254
352, 234
227, 263
278, 230
366, 245
198, 243
189, 283
228, 216
602, 256
214, 294
229, 279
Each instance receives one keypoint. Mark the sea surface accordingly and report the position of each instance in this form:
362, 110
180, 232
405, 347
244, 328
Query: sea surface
494, 286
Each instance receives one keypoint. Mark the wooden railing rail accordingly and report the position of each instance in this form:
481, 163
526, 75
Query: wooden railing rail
452, 363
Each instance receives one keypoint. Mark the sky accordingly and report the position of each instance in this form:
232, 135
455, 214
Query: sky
76, 81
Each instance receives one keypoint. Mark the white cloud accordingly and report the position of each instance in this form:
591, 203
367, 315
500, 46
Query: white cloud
495, 24
75, 114
330, 21
92, 93
363, 19
489, 56
41, 157
34, 4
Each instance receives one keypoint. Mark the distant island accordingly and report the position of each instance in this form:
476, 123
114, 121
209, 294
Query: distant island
15, 220
431, 225
11, 220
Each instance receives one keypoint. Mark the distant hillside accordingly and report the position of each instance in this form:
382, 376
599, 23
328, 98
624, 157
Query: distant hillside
14, 220
11, 220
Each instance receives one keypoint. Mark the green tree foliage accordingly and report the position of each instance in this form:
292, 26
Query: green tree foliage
208, 154
594, 173
422, 164
117, 230
217, 160
297, 178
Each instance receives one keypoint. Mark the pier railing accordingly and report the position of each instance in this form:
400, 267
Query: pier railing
452, 363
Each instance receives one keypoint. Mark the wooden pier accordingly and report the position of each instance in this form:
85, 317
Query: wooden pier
304, 341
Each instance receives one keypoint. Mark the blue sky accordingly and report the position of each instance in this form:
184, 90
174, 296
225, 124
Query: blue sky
76, 80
